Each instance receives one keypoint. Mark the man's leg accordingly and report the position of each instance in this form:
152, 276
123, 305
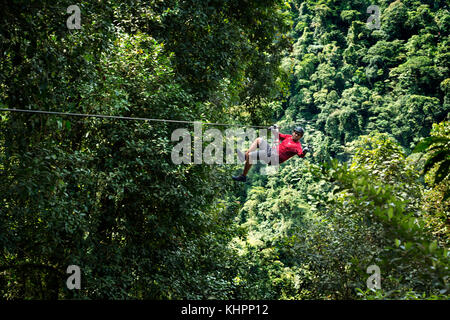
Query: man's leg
253, 147
255, 144
247, 167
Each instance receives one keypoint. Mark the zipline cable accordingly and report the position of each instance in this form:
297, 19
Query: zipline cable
69, 114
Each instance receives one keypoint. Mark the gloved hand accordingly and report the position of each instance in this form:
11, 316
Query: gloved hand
305, 150
273, 127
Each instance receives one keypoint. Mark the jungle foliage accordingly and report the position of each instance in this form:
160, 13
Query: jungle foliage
368, 99
104, 194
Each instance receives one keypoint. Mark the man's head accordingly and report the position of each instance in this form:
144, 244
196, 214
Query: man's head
297, 133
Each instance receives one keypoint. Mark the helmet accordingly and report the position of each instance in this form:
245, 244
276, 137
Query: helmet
299, 129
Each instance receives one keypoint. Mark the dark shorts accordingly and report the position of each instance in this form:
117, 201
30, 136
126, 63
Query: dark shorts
263, 154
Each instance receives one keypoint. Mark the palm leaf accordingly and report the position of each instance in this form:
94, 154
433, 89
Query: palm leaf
436, 158
427, 142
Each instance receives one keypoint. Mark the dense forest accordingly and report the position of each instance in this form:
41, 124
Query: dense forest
103, 194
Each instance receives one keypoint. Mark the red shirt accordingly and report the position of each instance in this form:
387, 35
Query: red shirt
288, 148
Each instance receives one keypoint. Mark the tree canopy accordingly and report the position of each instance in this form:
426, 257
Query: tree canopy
104, 194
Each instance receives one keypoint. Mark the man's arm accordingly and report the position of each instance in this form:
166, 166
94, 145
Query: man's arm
276, 133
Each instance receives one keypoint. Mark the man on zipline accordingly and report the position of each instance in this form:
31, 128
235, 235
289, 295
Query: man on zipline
290, 146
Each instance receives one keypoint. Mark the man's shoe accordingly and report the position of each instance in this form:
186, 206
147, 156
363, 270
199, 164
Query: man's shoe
240, 178
241, 155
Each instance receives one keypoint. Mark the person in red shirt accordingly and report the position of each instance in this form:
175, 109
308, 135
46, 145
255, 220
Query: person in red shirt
290, 146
